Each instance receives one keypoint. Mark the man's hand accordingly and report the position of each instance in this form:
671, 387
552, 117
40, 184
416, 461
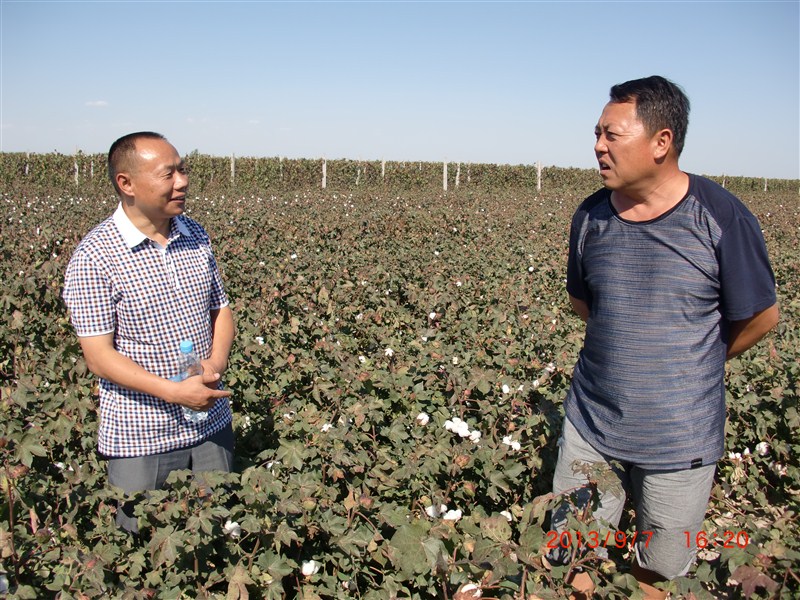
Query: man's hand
198, 393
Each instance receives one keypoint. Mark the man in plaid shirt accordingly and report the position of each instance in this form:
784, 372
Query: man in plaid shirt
139, 283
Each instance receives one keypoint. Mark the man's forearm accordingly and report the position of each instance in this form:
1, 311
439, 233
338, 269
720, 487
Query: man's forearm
105, 361
746, 333
223, 331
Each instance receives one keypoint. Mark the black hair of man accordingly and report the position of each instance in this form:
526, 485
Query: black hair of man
660, 104
122, 153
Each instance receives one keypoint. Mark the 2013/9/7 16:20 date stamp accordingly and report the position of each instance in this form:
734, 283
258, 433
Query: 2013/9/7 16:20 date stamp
620, 539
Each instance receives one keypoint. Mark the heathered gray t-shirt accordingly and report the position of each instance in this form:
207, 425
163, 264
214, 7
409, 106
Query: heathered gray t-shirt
648, 387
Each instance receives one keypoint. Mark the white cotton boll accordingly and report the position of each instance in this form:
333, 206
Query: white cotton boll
422, 419
435, 511
469, 591
762, 448
455, 360
260, 340
326, 427
389, 352
232, 529
452, 515
432, 315
475, 436
506, 389
506, 514
362, 359
309, 567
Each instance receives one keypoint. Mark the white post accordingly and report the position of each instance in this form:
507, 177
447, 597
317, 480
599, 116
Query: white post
444, 176
724, 180
76, 172
765, 184
538, 176
280, 166
383, 169
458, 174
91, 170
233, 168
358, 175
468, 179
27, 164
324, 173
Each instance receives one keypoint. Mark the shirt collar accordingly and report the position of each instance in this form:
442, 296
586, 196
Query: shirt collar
131, 234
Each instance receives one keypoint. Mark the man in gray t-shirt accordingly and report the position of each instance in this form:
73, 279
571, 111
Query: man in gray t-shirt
671, 275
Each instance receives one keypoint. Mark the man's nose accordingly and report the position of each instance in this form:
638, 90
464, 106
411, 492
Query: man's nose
600, 145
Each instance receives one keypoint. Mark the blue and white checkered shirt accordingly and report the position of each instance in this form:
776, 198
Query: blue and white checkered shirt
119, 281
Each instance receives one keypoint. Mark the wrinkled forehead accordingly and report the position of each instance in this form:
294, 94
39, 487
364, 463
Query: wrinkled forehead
621, 114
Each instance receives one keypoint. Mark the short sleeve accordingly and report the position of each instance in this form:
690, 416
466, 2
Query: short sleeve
88, 295
219, 298
746, 278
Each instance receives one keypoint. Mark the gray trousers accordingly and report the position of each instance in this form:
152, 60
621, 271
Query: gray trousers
141, 473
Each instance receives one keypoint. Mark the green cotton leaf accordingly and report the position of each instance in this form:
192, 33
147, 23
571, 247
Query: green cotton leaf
408, 551
284, 535
436, 554
291, 454
530, 544
276, 565
496, 528
164, 546
353, 541
29, 447
26, 592
237, 584
498, 480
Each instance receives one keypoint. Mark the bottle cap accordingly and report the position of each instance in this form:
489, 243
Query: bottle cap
187, 346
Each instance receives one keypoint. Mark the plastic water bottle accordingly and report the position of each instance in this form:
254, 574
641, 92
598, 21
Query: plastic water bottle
189, 366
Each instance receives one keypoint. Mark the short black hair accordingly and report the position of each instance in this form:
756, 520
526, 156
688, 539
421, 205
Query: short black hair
660, 104
121, 153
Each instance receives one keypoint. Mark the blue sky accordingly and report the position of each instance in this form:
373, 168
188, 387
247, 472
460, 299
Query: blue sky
493, 82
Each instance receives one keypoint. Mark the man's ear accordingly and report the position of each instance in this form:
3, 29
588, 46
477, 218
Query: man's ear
124, 183
663, 143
